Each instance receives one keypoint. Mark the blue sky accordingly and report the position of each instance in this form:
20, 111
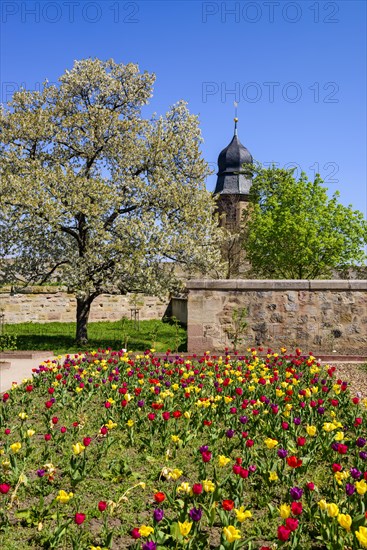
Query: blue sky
297, 70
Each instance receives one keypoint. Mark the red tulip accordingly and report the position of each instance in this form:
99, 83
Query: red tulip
79, 518
197, 488
4, 488
227, 505
283, 533
102, 505
291, 524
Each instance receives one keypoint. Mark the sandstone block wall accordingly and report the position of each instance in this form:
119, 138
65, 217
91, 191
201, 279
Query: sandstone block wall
318, 316
54, 305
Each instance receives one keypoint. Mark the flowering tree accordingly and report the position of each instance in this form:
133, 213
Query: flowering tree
95, 192
294, 231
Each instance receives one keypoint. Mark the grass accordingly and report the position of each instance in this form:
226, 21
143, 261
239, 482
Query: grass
60, 337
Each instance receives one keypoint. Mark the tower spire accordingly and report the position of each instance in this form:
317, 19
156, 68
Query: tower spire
235, 117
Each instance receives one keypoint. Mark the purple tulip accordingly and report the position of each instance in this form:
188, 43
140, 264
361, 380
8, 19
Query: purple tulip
282, 453
363, 455
355, 473
361, 442
243, 419
158, 514
296, 493
297, 421
230, 433
150, 545
195, 514
350, 489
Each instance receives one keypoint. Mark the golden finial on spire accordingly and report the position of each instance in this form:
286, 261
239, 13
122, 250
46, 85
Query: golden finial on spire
235, 117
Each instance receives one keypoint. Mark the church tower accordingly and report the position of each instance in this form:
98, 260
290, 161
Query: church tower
233, 182
232, 191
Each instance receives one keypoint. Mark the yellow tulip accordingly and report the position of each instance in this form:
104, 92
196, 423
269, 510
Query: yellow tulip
111, 425
174, 474
361, 535
64, 497
345, 521
242, 514
15, 447
311, 430
184, 488
78, 448
185, 527
145, 530
271, 443
322, 504
208, 486
223, 460
361, 487
329, 426
284, 511
332, 510
273, 476
231, 533
23, 415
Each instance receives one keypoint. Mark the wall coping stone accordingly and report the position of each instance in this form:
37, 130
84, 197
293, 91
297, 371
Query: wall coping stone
276, 284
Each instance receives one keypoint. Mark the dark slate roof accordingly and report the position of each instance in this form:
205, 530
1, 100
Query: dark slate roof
232, 177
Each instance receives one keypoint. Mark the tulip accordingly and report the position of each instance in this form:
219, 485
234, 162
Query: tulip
79, 518
195, 514
4, 488
283, 533
227, 505
64, 497
345, 521
332, 510
145, 530
285, 511
361, 535
135, 533
242, 514
231, 534
15, 447
185, 527
158, 514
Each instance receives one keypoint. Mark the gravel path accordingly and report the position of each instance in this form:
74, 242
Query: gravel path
356, 376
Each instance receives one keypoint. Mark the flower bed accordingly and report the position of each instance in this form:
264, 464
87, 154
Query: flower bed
108, 450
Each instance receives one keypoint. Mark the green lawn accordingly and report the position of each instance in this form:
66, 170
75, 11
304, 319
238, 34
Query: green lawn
60, 337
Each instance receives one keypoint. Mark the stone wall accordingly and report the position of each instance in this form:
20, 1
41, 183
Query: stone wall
318, 316
52, 304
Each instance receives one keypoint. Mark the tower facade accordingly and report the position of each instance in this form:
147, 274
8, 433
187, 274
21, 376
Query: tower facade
232, 191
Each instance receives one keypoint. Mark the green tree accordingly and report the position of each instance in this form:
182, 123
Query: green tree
294, 230
95, 192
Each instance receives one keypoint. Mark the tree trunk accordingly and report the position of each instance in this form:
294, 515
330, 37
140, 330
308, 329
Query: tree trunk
82, 315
